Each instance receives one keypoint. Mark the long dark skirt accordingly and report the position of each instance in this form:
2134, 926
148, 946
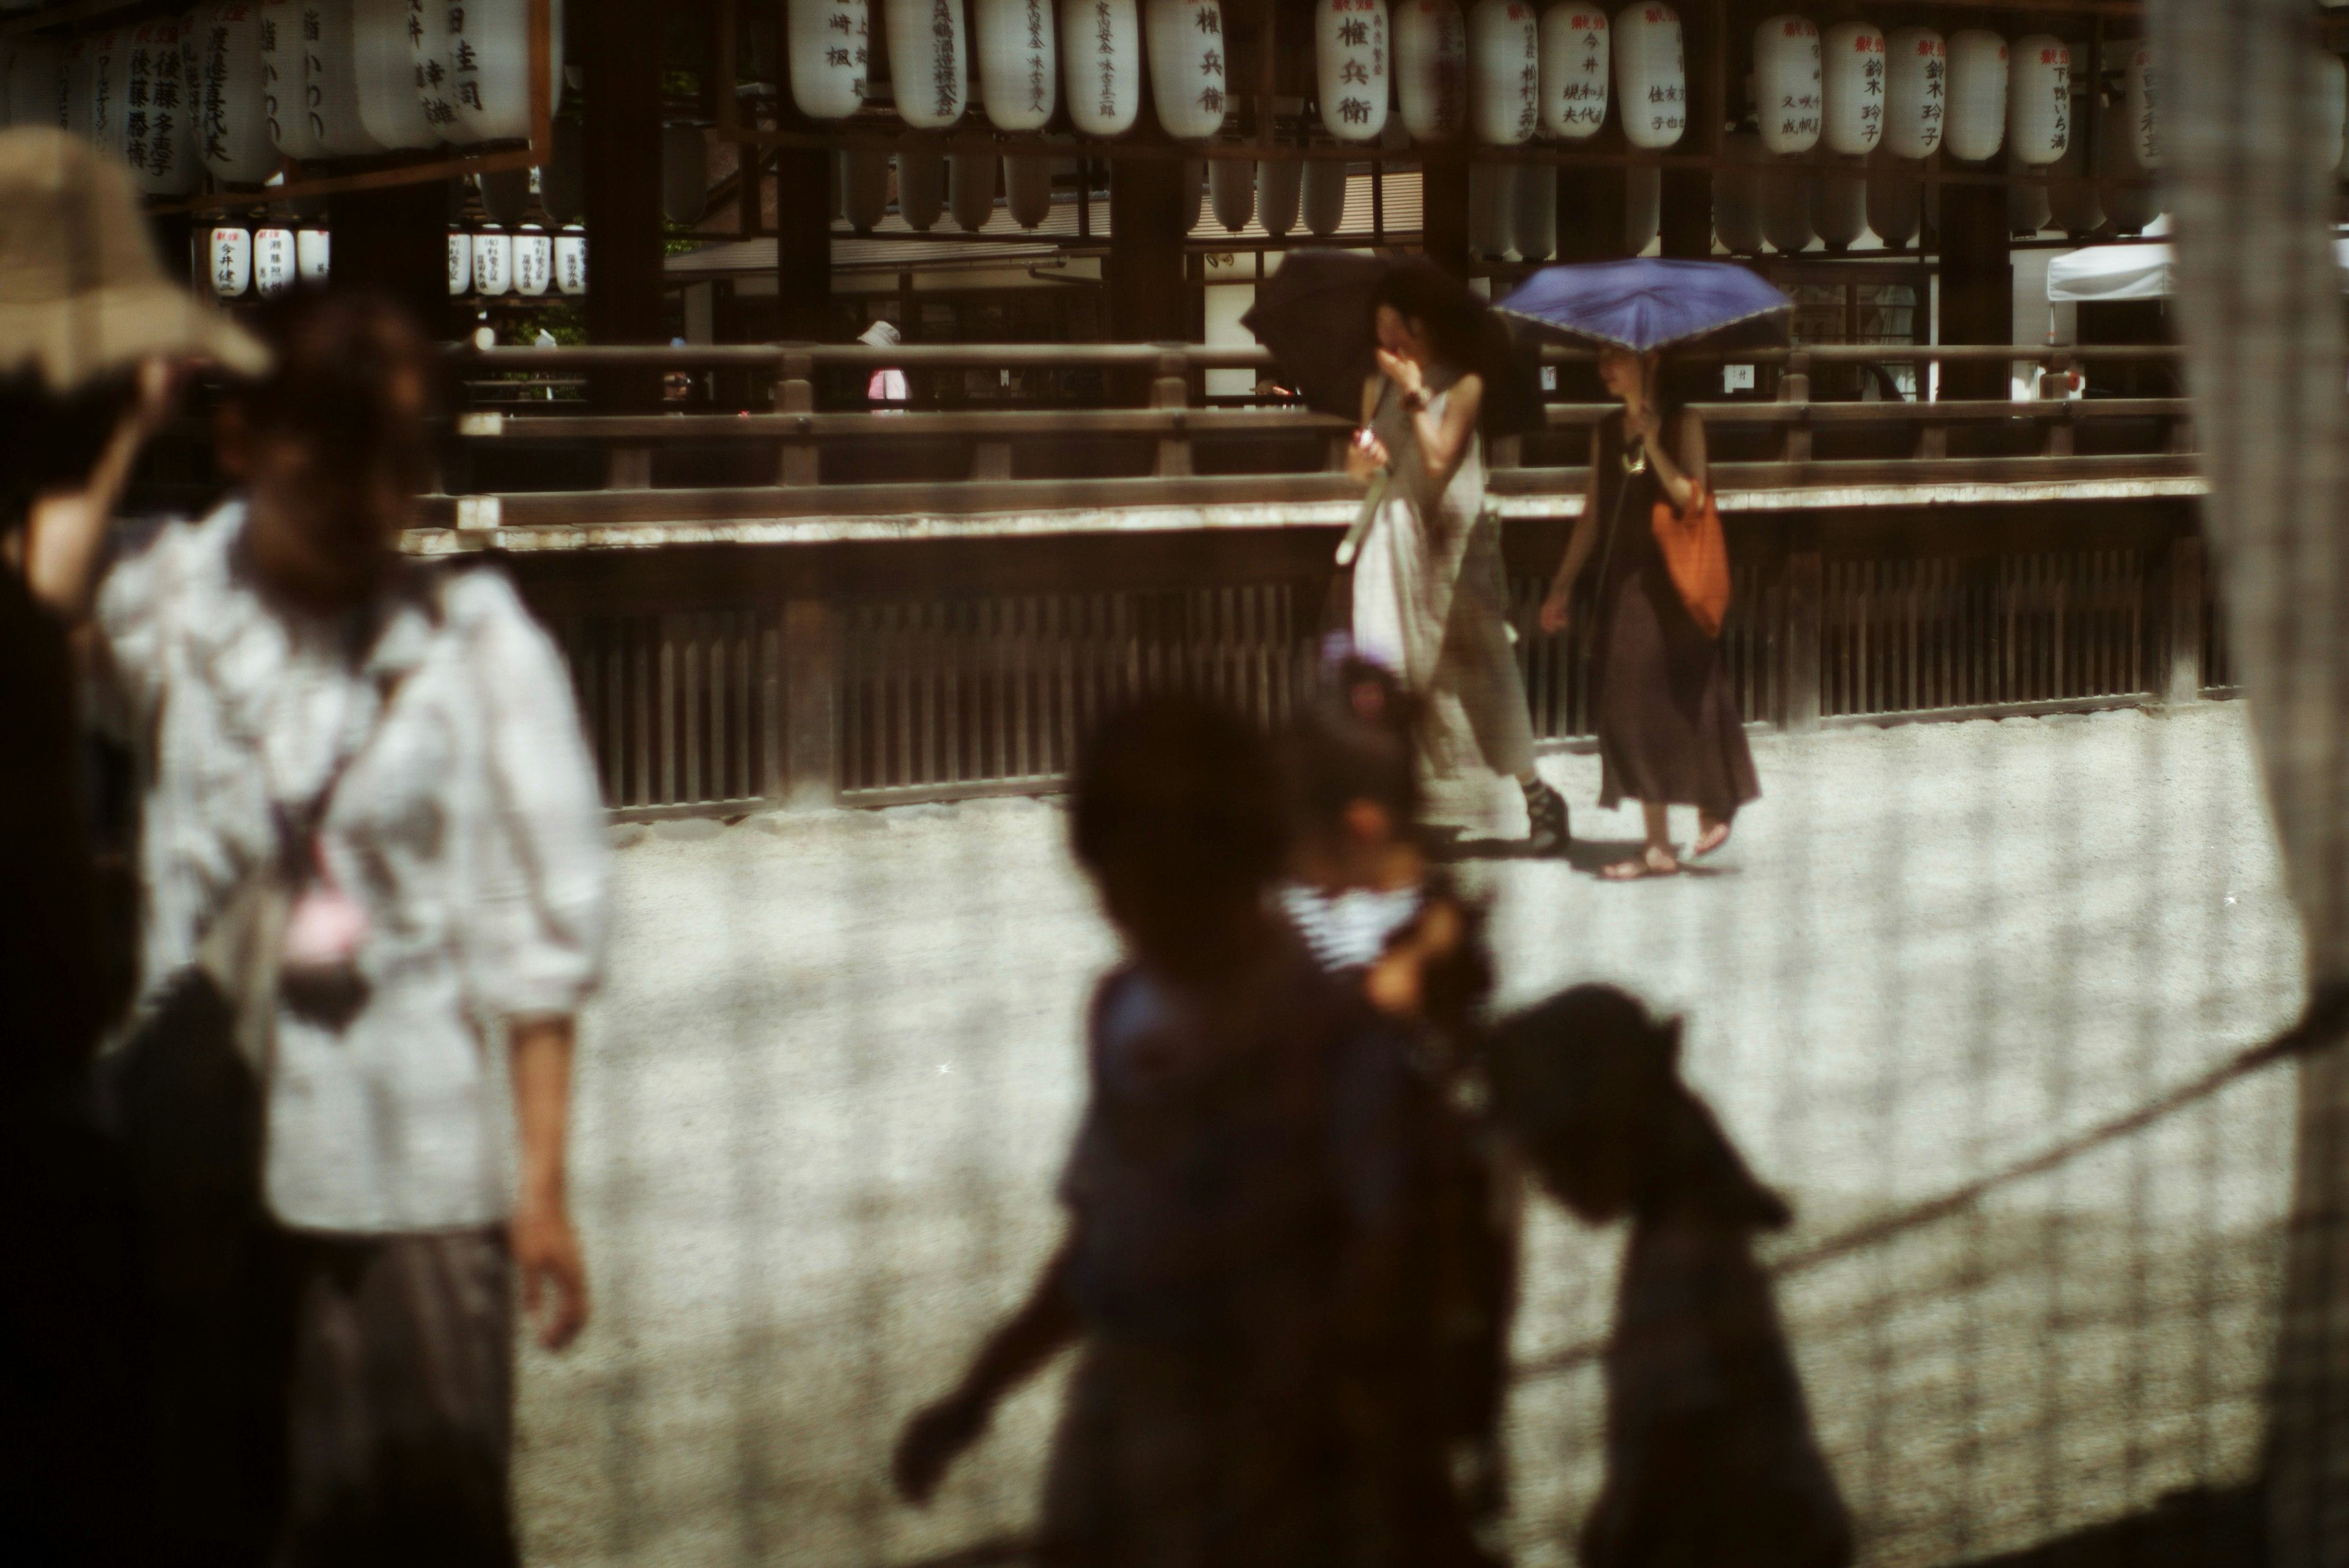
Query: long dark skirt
1669, 729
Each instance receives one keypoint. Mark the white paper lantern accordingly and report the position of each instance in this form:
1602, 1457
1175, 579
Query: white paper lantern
276, 266
970, 189
1187, 66
831, 46
1231, 191
489, 54
1430, 64
1492, 203
493, 263
1533, 221
331, 81
1574, 63
685, 174
1643, 204
158, 120
232, 120
1787, 204
1839, 202
1101, 53
282, 94
2333, 107
2130, 207
921, 189
230, 254
1737, 194
1851, 64
314, 255
433, 52
1018, 62
108, 55
1322, 196
1789, 96
2141, 91
2039, 100
383, 73
34, 84
1916, 92
1976, 126
571, 262
461, 261
1650, 76
2077, 208
1278, 188
2028, 207
863, 188
1504, 71
1028, 189
534, 260
1350, 58
1895, 193
73, 87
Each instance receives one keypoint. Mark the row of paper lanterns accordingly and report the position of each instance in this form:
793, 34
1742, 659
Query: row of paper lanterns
1503, 69
933, 185
232, 90
267, 261
527, 260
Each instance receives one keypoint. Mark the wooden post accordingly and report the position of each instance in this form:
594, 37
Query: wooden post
620, 51
1794, 386
811, 705
1805, 606
394, 243
798, 462
1590, 203
1977, 285
1687, 226
1443, 208
1170, 389
2181, 683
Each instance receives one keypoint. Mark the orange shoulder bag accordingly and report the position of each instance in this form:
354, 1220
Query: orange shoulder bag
1697, 556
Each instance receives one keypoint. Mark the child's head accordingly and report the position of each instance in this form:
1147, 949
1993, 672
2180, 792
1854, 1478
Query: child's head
1354, 764
1593, 1078
1179, 818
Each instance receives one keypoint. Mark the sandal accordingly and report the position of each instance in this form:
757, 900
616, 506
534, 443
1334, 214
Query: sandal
1712, 838
1641, 866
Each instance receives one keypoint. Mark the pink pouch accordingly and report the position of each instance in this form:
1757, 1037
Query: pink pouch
324, 929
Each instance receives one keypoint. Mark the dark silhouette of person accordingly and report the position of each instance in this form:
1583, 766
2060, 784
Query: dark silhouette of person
1711, 1459
1242, 1212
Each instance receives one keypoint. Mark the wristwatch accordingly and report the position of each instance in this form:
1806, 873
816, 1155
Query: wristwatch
1414, 400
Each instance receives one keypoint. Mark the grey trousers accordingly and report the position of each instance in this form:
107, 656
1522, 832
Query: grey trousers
400, 1401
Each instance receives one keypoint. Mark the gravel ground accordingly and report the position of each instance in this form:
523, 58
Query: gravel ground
824, 1097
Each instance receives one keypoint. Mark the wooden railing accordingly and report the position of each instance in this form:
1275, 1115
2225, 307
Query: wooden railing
779, 455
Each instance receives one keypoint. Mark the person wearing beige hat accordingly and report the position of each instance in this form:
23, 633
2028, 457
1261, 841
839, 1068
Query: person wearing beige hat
93, 338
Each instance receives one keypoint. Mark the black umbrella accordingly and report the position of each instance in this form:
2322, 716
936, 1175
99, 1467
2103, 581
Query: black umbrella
1314, 314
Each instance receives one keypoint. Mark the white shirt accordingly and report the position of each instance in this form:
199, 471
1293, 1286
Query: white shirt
467, 825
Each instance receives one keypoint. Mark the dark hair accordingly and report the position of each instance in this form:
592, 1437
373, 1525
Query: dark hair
1455, 321
341, 362
1592, 1063
1178, 813
50, 440
1357, 740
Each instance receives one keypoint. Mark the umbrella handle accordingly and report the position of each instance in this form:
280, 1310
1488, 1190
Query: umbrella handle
1351, 545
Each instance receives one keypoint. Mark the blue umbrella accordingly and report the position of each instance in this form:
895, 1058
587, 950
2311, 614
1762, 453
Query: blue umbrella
1652, 302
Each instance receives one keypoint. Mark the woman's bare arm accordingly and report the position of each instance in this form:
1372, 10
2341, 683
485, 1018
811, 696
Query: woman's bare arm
1444, 444
1361, 462
1578, 545
1680, 476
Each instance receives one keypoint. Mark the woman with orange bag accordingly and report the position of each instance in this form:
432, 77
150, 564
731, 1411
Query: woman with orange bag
1669, 729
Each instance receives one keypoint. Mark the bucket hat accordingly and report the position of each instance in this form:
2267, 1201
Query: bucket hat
81, 293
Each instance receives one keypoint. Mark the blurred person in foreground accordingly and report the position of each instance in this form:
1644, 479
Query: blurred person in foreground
1375, 911
92, 340
1243, 1210
1710, 1458
372, 849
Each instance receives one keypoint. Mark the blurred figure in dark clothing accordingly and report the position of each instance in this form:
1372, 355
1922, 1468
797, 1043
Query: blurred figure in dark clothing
1243, 1204
1711, 1459
92, 339
1375, 911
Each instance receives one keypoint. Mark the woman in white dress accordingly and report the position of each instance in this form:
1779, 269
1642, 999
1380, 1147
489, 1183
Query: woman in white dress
1431, 603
